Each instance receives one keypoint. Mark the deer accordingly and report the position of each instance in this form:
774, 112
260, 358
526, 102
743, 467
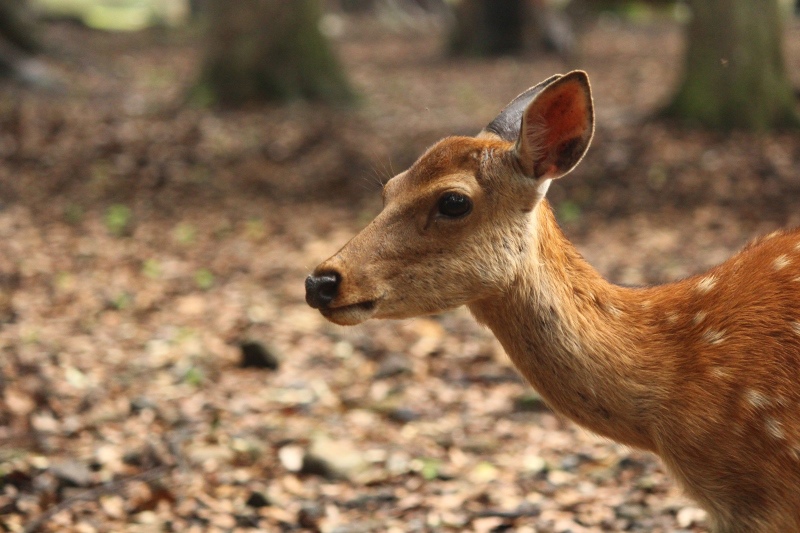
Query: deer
704, 372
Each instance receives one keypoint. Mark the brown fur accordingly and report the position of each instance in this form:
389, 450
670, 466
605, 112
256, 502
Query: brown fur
703, 372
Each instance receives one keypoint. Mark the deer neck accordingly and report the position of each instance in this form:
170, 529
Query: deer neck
579, 340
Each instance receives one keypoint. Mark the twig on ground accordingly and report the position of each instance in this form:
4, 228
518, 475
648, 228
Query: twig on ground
512, 515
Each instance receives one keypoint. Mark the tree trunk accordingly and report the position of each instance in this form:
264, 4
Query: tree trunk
17, 26
19, 42
488, 27
735, 76
504, 27
269, 50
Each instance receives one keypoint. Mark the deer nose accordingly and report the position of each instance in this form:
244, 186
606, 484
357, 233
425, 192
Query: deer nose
322, 289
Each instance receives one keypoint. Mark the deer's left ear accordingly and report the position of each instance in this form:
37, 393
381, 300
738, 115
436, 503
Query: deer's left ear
557, 127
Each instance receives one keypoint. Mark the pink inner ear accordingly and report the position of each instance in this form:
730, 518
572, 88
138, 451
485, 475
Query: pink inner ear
565, 113
557, 125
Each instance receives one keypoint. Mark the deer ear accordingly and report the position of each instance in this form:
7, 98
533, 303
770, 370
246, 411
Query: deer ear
557, 127
506, 124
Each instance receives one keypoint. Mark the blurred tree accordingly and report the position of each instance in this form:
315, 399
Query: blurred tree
498, 27
488, 27
735, 75
17, 26
19, 41
356, 6
269, 50
197, 7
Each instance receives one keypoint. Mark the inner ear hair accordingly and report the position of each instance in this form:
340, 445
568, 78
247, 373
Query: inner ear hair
557, 127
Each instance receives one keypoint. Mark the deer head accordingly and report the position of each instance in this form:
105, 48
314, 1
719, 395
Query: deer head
457, 226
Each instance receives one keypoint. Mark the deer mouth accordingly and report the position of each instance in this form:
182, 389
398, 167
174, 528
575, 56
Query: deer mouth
351, 314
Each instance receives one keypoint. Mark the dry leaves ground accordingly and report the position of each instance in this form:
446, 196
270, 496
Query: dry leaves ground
145, 246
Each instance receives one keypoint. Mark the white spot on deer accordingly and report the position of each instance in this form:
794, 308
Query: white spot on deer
796, 327
795, 451
646, 304
672, 317
706, 284
756, 399
614, 311
720, 372
773, 234
774, 428
782, 261
714, 336
699, 317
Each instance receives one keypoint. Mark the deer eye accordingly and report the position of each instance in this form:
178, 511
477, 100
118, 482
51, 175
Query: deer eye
454, 205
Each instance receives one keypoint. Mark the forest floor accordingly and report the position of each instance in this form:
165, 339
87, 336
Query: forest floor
145, 245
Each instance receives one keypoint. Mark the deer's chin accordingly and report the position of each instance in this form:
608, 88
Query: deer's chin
350, 315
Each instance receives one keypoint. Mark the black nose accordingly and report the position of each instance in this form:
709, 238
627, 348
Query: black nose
322, 289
